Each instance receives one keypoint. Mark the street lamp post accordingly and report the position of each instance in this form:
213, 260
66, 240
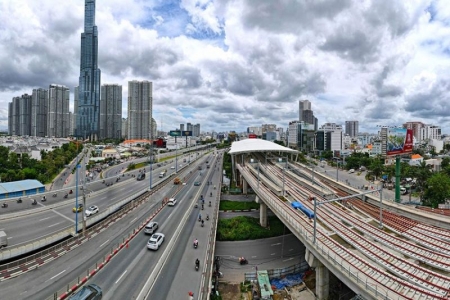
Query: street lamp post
151, 158
76, 197
381, 208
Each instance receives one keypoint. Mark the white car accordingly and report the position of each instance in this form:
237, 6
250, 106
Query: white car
172, 167
172, 202
92, 210
155, 241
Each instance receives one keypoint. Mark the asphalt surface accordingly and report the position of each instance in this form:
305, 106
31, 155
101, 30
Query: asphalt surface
29, 227
127, 270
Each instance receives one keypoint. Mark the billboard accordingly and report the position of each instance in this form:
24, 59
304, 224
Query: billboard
252, 136
175, 133
399, 141
186, 133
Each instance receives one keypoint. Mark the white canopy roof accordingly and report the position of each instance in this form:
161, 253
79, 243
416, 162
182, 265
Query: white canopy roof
257, 145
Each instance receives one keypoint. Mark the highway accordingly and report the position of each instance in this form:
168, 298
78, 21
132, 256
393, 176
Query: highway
27, 227
52, 277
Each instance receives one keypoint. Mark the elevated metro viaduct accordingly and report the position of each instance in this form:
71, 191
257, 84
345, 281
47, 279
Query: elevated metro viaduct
240, 154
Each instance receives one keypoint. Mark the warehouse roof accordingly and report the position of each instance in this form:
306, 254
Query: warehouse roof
21, 185
257, 145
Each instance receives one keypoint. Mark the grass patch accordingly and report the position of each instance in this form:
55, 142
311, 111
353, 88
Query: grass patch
237, 205
244, 228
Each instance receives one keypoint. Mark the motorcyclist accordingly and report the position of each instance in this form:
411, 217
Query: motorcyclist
4, 205
197, 262
199, 217
207, 217
203, 223
34, 201
195, 242
210, 194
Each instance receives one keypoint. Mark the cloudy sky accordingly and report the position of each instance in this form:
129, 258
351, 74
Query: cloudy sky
232, 64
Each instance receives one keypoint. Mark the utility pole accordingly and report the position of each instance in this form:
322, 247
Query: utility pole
84, 191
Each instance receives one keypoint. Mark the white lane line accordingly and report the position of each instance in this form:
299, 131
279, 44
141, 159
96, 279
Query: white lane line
272, 254
104, 243
254, 256
54, 224
122, 189
55, 275
58, 213
289, 259
133, 220
276, 244
44, 219
121, 276
9, 237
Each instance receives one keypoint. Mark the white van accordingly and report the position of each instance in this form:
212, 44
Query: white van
172, 202
403, 191
351, 171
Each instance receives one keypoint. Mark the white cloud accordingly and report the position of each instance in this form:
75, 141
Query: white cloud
232, 64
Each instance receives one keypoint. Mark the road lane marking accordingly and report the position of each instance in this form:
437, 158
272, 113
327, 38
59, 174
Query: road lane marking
272, 254
44, 219
289, 259
133, 220
58, 213
104, 243
276, 244
9, 237
55, 275
254, 256
55, 224
121, 276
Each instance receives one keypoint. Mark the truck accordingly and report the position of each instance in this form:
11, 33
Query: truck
162, 174
176, 181
3, 239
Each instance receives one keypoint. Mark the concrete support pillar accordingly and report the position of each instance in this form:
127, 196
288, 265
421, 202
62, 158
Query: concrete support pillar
263, 214
244, 186
322, 282
322, 276
256, 199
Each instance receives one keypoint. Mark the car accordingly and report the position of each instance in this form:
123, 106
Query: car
155, 241
93, 209
197, 183
151, 227
90, 291
172, 167
80, 208
351, 171
172, 202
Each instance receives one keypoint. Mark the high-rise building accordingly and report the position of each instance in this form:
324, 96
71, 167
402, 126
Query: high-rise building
154, 129
58, 121
111, 111
76, 94
196, 130
189, 127
88, 112
25, 115
416, 128
140, 101
124, 128
302, 106
39, 110
268, 128
352, 128
181, 127
19, 115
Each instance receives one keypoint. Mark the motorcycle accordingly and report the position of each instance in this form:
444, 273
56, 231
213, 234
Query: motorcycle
203, 223
202, 207
4, 205
54, 195
207, 217
44, 199
19, 200
70, 192
210, 194
209, 203
197, 265
195, 245
243, 261
34, 202
66, 195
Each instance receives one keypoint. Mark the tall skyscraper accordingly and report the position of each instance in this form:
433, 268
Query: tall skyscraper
196, 130
352, 128
111, 111
88, 113
181, 127
140, 101
39, 110
25, 115
58, 119
302, 106
189, 127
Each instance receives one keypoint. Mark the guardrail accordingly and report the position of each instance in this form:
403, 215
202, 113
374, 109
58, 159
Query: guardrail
8, 253
331, 257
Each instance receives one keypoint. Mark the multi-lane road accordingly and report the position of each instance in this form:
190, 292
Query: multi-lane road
133, 265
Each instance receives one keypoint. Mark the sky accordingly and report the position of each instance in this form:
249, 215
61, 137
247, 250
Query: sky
228, 65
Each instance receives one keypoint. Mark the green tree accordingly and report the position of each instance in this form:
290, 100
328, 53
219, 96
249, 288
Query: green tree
445, 162
377, 167
438, 190
279, 142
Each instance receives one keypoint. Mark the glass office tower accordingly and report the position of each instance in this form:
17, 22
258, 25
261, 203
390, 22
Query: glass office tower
88, 113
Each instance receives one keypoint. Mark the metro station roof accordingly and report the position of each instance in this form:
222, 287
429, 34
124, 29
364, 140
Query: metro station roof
257, 145
21, 185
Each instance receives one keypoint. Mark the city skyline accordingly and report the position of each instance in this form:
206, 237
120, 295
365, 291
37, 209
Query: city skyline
224, 66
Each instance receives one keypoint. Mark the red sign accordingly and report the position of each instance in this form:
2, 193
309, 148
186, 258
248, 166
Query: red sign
252, 136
